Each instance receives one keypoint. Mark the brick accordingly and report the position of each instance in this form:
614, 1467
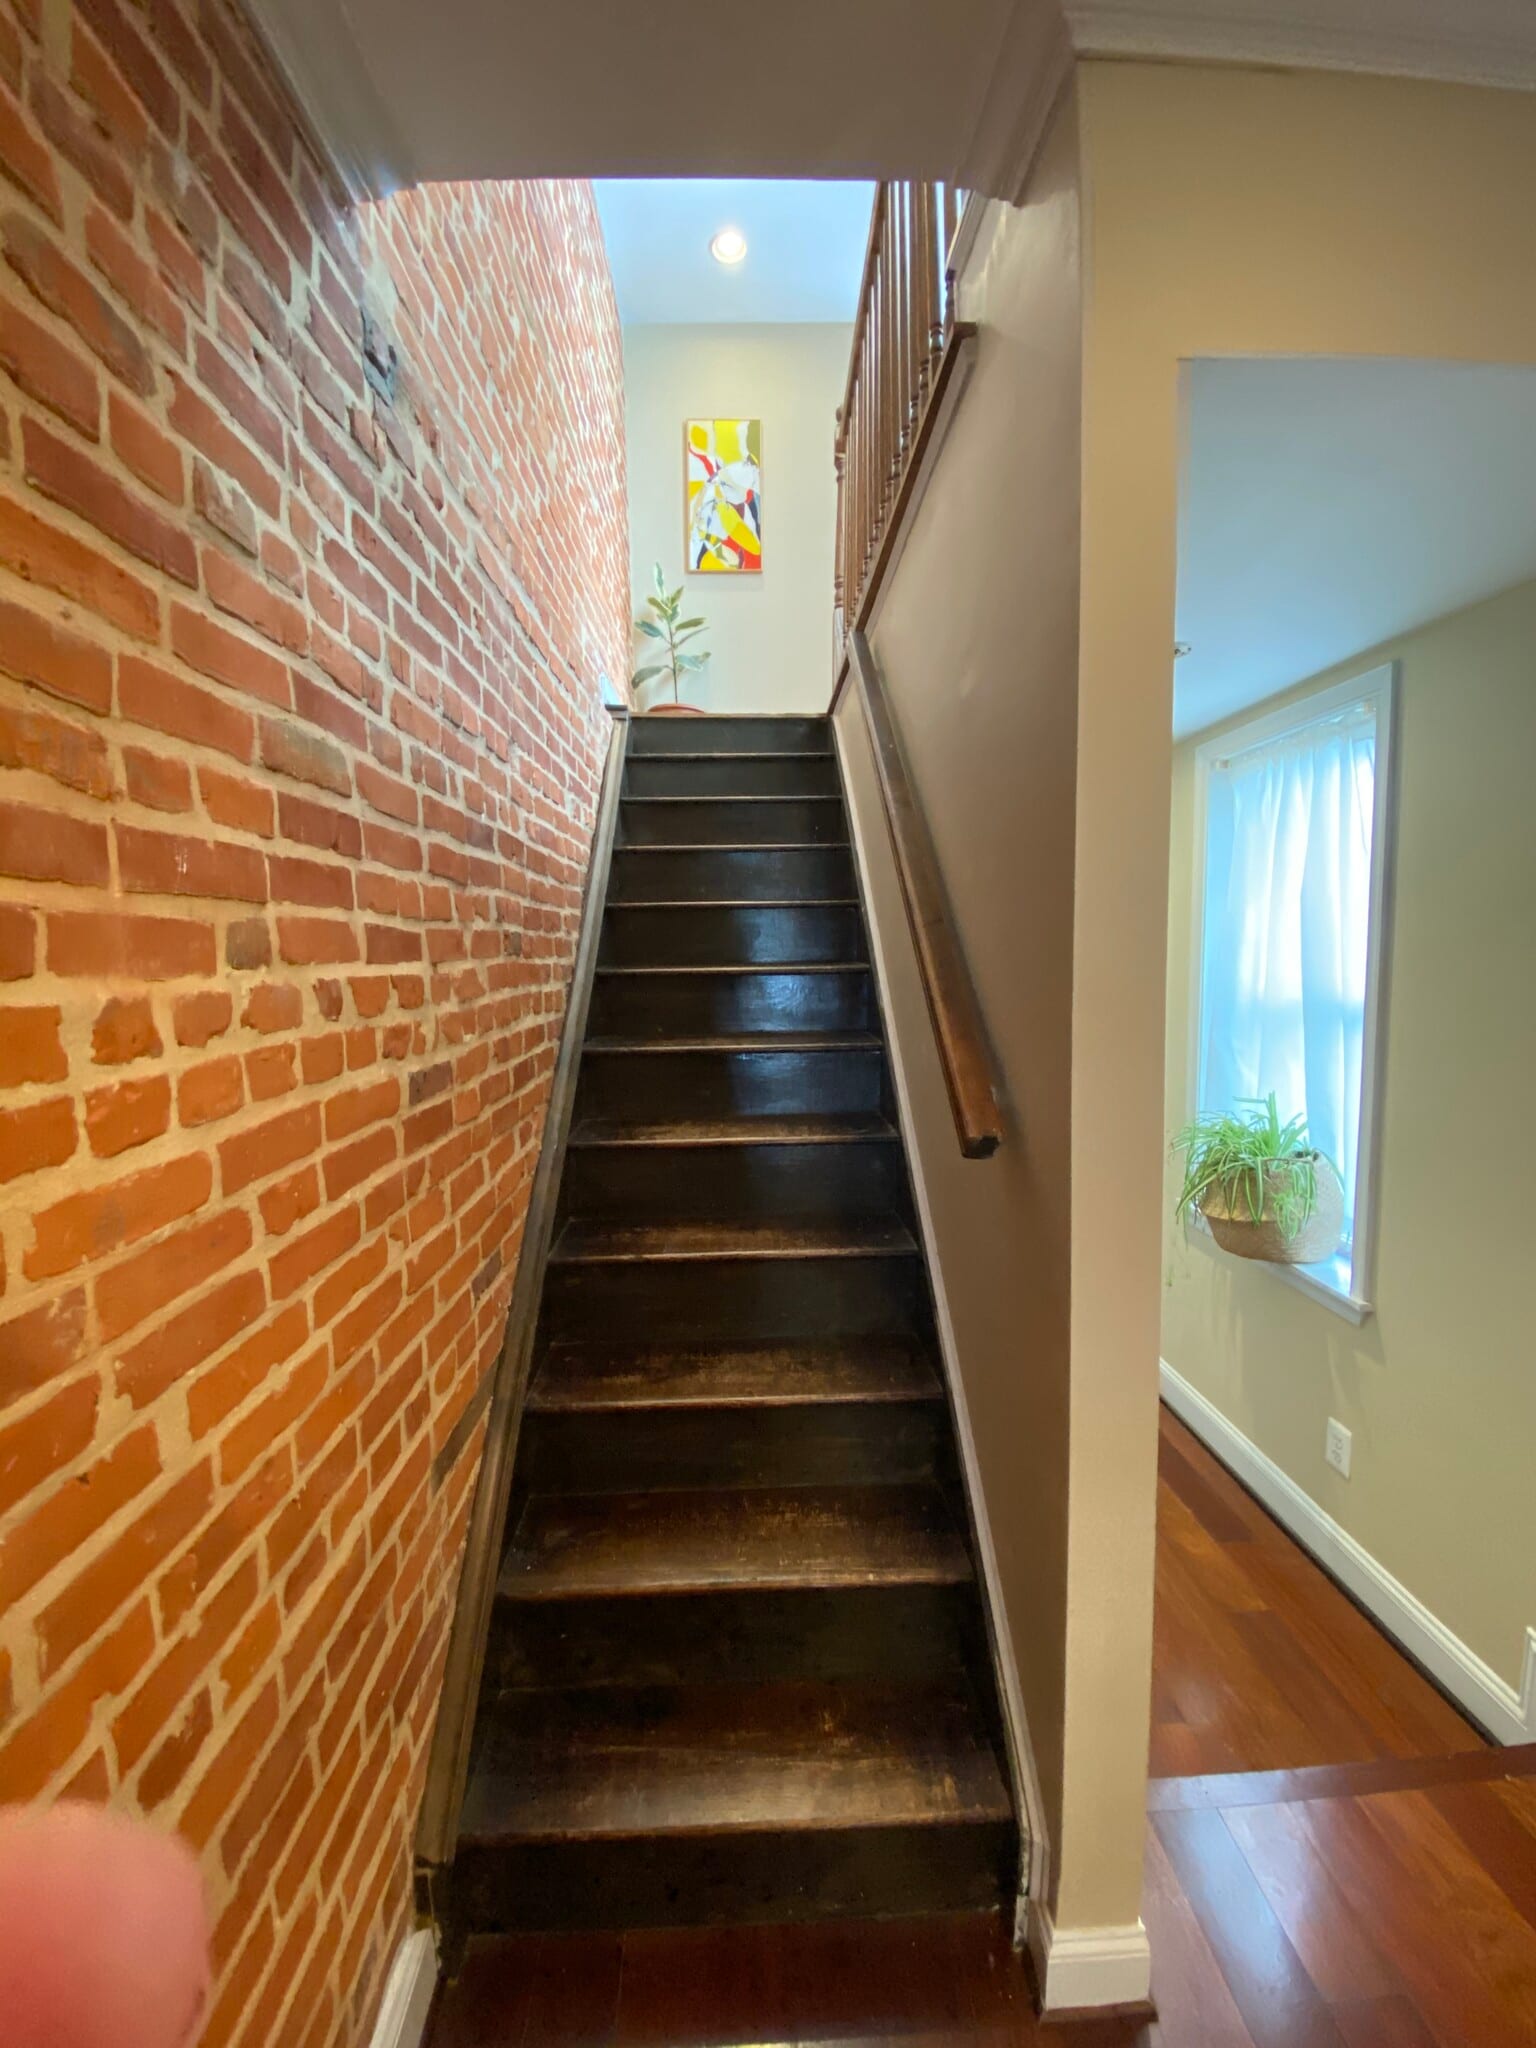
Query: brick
77, 481
269, 1071
127, 1114
74, 755
107, 1583
88, 1226
48, 1439
224, 505
170, 864
154, 1703
50, 846
49, 370
274, 1006
41, 1134
229, 658
40, 1344
77, 138
157, 782
288, 749
135, 279
154, 696
71, 1513
67, 291
42, 1746
202, 1016
148, 1368
30, 1046
233, 802
192, 417
152, 1279
281, 1141
309, 941
18, 942
27, 162
219, 1392
268, 612
208, 1092
124, 1030
298, 1263
287, 1202
245, 1441
248, 943
108, 943
38, 551
153, 456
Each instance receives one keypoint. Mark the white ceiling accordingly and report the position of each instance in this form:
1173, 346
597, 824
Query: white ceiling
404, 92
1328, 506
805, 248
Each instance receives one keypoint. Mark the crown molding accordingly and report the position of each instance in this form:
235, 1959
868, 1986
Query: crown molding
1308, 39
1028, 75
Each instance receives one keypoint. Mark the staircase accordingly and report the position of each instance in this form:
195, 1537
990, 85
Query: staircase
738, 1666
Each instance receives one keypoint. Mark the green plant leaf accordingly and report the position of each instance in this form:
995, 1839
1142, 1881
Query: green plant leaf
690, 664
651, 632
644, 675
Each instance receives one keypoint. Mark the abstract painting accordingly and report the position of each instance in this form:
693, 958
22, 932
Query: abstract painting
724, 460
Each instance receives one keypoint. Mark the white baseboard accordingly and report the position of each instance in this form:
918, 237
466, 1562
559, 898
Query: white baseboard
402, 2020
1079, 1968
1507, 1713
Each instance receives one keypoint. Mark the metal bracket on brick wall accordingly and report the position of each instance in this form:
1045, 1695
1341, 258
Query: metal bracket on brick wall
381, 360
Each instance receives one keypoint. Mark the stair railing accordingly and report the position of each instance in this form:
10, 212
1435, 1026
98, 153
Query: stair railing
904, 349
955, 1012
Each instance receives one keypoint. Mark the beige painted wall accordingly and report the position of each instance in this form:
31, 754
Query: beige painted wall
1233, 212
770, 636
977, 641
1437, 1385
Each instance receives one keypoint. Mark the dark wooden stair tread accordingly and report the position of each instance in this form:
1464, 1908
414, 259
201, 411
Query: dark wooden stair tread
838, 1128
743, 1041
713, 967
716, 1539
731, 902
747, 754
664, 1761
585, 1378
601, 1243
715, 796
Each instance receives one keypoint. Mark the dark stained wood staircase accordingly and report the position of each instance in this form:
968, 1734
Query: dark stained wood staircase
738, 1664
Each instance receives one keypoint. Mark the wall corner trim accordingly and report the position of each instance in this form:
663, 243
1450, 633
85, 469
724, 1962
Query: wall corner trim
402, 2021
1505, 1712
1078, 1969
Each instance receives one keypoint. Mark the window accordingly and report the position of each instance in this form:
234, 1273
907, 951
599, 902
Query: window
1291, 813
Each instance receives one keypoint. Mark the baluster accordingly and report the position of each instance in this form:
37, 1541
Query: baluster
951, 222
890, 435
839, 454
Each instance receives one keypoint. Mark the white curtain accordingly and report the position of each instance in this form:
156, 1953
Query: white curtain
1287, 917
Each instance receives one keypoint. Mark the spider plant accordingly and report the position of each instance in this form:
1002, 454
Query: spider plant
1252, 1160
674, 634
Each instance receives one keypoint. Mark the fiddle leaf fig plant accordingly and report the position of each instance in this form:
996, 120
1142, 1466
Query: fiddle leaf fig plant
660, 621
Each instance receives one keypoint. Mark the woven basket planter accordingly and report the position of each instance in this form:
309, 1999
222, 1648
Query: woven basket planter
1234, 1229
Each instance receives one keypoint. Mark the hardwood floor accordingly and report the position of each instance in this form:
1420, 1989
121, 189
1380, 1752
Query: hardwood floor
1335, 1859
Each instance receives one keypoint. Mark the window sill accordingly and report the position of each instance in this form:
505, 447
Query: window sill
1326, 1284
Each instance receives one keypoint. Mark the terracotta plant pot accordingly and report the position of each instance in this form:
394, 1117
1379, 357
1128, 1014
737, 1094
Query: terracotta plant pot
674, 711
1228, 1213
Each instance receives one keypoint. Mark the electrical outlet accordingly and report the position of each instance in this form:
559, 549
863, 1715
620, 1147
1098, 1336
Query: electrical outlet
1337, 1446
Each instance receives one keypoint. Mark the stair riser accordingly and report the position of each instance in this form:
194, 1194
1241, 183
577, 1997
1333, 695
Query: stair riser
714, 1880
666, 1086
729, 736
915, 1633
735, 1183
791, 873
738, 935
744, 775
706, 1301
689, 1005
889, 1443
765, 821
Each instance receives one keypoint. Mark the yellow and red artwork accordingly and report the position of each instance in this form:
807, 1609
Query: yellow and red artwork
725, 496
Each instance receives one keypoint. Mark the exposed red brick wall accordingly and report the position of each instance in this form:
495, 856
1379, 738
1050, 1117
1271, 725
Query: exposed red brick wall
300, 737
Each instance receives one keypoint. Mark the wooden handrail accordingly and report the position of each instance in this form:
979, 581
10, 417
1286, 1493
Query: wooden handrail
904, 321
951, 995
437, 1825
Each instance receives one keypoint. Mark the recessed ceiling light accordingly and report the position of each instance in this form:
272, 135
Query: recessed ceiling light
729, 246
